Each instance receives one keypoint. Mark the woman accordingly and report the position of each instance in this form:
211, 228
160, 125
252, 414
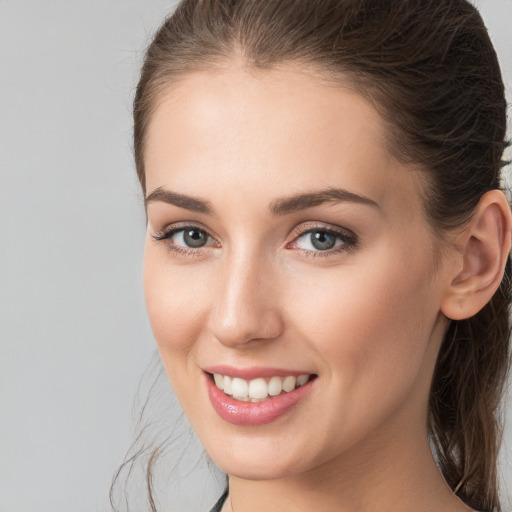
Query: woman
327, 243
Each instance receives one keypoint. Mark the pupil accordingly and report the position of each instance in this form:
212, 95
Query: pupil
322, 241
194, 238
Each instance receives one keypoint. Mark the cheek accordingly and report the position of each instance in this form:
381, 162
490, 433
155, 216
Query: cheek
174, 312
370, 324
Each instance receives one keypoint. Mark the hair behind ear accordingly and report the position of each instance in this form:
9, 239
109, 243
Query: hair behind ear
464, 420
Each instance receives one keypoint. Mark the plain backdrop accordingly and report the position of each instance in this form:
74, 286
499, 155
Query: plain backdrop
74, 337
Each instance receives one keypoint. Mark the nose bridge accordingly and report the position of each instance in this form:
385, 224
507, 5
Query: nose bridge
246, 304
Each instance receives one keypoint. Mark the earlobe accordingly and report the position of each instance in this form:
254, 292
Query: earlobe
485, 245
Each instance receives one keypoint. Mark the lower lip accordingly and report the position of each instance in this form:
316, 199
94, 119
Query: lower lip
254, 413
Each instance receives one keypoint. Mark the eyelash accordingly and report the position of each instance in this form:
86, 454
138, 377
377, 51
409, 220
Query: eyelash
166, 234
348, 238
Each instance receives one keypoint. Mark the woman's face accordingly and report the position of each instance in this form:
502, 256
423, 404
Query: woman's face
283, 240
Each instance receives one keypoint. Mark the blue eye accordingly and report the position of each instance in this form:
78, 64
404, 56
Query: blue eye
191, 237
323, 240
319, 241
188, 237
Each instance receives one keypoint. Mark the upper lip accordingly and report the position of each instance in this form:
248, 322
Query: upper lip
253, 372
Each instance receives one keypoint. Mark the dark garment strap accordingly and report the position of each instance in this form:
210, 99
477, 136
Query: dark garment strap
219, 503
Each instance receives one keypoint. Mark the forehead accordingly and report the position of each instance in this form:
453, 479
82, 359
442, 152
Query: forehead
283, 130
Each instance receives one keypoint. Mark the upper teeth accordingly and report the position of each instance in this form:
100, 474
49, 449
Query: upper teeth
259, 389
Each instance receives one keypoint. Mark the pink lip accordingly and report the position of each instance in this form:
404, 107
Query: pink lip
254, 413
253, 372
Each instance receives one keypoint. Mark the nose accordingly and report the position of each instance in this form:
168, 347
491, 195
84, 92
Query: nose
246, 307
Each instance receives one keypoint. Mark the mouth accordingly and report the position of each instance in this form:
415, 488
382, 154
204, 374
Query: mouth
262, 398
259, 389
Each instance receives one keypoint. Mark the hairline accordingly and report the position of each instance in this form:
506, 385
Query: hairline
170, 85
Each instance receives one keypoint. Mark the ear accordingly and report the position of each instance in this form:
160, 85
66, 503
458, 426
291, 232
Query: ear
485, 246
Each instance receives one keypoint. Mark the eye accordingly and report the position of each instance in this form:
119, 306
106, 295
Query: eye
185, 238
190, 237
325, 240
319, 240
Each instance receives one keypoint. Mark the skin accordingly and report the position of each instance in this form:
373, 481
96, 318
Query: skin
367, 319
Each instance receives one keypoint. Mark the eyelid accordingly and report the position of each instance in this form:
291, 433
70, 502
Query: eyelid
307, 227
167, 231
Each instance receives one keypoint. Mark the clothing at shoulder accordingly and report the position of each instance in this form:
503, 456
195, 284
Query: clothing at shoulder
222, 499
219, 503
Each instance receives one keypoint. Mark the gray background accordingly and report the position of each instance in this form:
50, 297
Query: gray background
74, 334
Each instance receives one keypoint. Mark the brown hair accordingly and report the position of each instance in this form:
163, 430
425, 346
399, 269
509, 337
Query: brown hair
430, 69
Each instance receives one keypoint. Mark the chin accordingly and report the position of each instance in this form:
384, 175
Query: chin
257, 471
253, 460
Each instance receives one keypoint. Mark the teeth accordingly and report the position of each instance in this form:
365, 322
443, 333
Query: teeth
226, 385
275, 386
240, 388
219, 380
302, 379
257, 390
289, 384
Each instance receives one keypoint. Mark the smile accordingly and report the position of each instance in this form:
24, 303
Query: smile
256, 400
259, 389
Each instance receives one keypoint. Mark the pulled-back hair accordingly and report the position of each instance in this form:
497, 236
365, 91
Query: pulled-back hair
430, 70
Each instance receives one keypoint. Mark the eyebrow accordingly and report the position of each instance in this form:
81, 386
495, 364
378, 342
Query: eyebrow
300, 202
282, 206
189, 203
